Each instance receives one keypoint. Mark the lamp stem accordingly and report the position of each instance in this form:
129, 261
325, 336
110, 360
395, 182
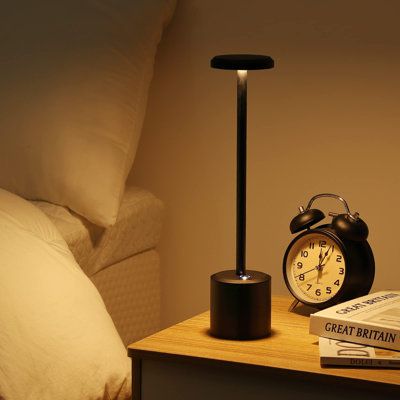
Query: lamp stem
241, 150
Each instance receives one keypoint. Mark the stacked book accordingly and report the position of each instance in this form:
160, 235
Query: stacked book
363, 332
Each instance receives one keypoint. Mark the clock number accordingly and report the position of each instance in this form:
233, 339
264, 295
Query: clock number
339, 258
322, 243
309, 286
318, 292
299, 265
312, 245
341, 271
304, 253
328, 290
337, 283
301, 277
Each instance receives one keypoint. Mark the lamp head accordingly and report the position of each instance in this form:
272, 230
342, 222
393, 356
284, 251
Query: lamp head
242, 62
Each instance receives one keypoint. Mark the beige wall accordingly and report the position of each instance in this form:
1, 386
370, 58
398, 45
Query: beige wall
325, 120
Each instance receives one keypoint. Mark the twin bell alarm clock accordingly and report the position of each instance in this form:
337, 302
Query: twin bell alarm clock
330, 263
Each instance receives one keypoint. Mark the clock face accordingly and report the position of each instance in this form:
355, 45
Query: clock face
315, 268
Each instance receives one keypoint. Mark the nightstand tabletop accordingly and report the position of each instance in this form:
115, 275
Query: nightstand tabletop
289, 350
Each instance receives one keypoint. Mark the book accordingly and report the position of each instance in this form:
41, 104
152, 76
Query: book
338, 353
373, 320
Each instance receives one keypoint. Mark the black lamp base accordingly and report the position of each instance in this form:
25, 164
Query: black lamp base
240, 309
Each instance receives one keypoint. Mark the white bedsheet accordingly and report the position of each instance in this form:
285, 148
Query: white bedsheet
138, 228
57, 340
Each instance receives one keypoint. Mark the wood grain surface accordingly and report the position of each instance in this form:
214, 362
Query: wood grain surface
290, 346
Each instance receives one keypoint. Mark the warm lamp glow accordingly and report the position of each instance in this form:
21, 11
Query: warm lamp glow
242, 73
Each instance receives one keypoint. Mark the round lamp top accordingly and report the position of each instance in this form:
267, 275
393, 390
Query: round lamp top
242, 62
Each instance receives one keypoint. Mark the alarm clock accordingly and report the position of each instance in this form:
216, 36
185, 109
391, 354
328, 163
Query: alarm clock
330, 263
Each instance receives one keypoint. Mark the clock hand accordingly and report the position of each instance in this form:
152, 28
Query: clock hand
320, 270
320, 256
303, 273
326, 253
320, 264
323, 258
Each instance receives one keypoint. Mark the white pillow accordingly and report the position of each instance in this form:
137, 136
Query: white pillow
74, 78
57, 340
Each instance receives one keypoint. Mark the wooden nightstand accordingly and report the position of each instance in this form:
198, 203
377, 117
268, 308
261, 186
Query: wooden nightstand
184, 362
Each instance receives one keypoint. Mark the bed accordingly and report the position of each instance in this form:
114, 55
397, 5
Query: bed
122, 261
79, 268
57, 340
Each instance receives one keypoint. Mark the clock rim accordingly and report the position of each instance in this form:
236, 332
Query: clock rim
327, 231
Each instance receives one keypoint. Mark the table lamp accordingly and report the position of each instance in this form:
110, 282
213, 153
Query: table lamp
240, 300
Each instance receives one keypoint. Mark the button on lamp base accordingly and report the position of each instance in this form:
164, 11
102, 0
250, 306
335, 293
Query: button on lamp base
240, 308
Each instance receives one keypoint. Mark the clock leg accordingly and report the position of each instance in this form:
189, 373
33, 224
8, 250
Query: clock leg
293, 305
